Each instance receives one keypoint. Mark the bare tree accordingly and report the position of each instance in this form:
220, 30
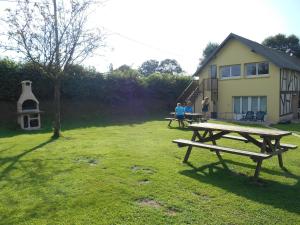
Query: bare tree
52, 36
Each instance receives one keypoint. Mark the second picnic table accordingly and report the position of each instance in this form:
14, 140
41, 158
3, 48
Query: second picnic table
269, 144
190, 117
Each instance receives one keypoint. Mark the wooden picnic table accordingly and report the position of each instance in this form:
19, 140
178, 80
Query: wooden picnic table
189, 117
269, 142
193, 116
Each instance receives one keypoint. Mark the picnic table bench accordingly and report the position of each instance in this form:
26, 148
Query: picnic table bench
171, 119
189, 117
269, 144
233, 137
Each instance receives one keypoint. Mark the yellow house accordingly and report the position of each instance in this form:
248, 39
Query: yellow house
242, 76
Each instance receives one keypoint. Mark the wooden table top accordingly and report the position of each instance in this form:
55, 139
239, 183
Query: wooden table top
188, 114
239, 129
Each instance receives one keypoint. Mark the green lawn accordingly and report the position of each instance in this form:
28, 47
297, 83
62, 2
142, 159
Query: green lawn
131, 173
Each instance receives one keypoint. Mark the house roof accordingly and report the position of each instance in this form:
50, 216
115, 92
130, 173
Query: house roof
280, 59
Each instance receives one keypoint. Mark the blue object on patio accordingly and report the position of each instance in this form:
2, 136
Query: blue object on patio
260, 116
249, 116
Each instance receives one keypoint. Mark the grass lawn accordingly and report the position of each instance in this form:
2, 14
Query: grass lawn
131, 173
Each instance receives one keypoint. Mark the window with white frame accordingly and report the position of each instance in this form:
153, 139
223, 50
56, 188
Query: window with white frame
230, 71
242, 104
256, 69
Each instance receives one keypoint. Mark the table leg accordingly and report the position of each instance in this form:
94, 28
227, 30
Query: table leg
213, 140
217, 152
189, 150
205, 133
257, 170
222, 160
201, 138
263, 146
276, 145
263, 149
274, 148
280, 161
187, 154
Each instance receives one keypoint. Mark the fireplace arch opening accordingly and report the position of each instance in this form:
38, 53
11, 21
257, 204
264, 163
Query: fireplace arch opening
29, 105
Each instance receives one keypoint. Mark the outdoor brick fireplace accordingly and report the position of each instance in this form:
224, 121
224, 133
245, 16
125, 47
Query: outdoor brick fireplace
28, 108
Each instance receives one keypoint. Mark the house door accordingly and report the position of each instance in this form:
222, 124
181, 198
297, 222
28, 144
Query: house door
295, 105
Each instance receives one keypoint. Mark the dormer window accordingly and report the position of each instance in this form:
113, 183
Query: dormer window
230, 71
257, 69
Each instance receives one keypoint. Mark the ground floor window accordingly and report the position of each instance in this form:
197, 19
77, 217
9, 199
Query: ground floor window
242, 104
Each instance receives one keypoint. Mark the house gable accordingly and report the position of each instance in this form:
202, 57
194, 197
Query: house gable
278, 58
233, 52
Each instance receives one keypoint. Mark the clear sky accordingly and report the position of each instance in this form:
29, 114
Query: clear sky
138, 30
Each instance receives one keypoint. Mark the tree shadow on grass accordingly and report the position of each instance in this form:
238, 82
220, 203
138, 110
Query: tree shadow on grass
84, 121
278, 195
33, 177
292, 127
45, 199
13, 160
180, 128
7, 149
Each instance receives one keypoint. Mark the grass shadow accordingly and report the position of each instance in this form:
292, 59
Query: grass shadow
13, 160
179, 128
248, 124
278, 195
35, 176
284, 172
85, 121
7, 149
292, 127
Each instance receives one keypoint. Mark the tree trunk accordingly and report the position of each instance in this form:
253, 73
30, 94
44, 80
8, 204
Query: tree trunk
56, 132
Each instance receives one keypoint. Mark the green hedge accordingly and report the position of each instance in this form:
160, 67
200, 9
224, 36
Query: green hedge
11, 75
115, 88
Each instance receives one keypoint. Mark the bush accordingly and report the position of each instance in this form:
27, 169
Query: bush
121, 86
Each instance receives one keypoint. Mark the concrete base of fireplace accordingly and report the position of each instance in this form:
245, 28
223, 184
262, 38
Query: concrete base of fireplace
30, 120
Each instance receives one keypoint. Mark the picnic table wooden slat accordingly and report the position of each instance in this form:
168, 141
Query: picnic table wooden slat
224, 149
233, 137
189, 114
239, 129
